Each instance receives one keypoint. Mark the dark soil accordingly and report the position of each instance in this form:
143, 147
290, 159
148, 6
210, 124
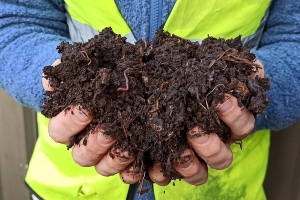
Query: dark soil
171, 85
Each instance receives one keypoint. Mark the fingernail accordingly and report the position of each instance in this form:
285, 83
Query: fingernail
122, 157
80, 115
104, 139
201, 138
227, 105
132, 170
185, 161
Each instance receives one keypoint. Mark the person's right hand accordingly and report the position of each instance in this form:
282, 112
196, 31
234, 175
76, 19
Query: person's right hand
95, 153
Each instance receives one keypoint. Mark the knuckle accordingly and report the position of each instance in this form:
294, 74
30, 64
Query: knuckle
248, 130
226, 164
198, 179
106, 166
199, 182
223, 165
103, 172
81, 158
212, 151
234, 117
157, 178
57, 138
244, 129
81, 162
163, 182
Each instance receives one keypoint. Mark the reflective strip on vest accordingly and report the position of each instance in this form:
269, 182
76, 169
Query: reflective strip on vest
67, 180
80, 32
198, 23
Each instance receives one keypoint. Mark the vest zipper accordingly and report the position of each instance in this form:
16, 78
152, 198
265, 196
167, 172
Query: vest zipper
155, 17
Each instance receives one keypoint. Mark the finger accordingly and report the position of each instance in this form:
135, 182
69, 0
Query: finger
130, 175
113, 163
210, 148
68, 123
56, 62
240, 120
193, 171
258, 71
45, 82
156, 175
97, 145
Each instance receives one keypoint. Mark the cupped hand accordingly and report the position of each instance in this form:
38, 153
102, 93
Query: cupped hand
208, 146
92, 152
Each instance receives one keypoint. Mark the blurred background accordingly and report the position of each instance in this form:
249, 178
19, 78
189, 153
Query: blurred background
18, 133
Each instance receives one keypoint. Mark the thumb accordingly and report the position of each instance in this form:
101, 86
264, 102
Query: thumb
45, 82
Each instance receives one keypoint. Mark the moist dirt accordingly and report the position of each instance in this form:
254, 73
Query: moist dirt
147, 95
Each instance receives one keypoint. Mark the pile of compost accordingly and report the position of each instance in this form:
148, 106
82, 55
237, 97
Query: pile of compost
147, 95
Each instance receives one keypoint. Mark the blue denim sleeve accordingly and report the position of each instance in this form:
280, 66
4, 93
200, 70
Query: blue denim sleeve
30, 31
279, 52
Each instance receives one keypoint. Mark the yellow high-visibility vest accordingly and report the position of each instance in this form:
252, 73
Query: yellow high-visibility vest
53, 174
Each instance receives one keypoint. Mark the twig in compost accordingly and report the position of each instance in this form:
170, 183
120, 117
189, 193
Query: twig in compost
212, 92
86, 55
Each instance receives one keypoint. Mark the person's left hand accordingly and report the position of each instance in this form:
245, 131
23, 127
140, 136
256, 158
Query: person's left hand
209, 147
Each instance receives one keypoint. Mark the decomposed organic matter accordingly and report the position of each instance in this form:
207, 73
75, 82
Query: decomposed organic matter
147, 95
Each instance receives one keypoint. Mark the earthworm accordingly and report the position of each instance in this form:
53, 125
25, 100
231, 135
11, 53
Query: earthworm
127, 83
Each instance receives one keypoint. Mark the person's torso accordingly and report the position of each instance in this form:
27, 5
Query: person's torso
193, 20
